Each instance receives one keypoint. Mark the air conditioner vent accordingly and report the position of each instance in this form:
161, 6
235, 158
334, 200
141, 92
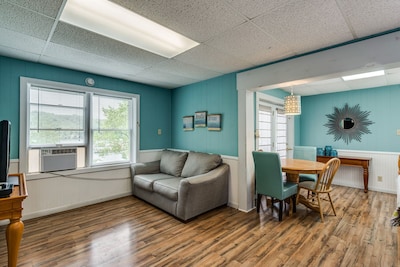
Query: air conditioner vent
58, 159
57, 151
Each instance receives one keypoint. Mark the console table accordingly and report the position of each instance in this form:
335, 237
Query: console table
11, 208
362, 162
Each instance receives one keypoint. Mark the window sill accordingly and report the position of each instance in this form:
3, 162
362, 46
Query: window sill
94, 169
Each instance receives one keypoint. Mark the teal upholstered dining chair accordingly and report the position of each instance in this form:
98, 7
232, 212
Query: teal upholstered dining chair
269, 182
306, 153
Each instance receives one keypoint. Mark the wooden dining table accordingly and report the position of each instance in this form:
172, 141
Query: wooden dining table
293, 167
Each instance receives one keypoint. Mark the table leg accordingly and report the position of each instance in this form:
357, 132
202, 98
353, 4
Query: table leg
365, 174
14, 235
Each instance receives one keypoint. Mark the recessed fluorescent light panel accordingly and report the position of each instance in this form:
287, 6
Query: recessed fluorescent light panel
114, 21
364, 75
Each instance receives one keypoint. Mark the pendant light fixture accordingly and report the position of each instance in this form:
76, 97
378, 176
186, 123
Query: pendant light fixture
292, 104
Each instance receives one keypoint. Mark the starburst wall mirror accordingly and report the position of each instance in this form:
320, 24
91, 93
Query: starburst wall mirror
348, 123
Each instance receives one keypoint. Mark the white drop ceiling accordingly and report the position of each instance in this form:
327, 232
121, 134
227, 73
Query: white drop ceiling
233, 34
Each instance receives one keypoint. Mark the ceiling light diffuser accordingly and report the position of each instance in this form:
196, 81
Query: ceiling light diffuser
116, 22
364, 75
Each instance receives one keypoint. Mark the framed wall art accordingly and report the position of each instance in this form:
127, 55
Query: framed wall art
188, 123
200, 119
214, 122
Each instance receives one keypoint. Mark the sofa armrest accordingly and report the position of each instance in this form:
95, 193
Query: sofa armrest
201, 193
145, 168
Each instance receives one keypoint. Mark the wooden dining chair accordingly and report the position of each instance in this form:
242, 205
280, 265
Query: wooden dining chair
320, 187
306, 153
269, 181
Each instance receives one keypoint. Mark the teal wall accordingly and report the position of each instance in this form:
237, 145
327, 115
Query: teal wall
218, 95
384, 107
155, 103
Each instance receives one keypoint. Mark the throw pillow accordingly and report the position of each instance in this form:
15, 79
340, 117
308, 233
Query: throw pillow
198, 163
172, 162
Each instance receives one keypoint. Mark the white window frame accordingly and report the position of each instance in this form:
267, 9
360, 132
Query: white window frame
25, 84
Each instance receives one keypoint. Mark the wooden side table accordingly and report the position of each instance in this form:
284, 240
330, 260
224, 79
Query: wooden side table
362, 162
11, 208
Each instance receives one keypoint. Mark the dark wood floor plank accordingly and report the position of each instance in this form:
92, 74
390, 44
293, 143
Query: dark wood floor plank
130, 232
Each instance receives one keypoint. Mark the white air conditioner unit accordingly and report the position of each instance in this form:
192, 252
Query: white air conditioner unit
57, 159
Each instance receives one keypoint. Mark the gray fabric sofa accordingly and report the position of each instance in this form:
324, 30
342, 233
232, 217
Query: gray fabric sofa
184, 184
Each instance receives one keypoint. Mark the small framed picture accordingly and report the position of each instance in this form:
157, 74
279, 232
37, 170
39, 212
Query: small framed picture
214, 122
200, 119
188, 123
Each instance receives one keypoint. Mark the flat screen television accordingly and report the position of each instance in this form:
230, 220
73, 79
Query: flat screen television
5, 132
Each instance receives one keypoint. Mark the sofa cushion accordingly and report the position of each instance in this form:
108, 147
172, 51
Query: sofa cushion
145, 181
172, 162
167, 187
198, 163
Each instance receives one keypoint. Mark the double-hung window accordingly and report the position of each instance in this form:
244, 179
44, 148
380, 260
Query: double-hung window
99, 125
56, 117
111, 130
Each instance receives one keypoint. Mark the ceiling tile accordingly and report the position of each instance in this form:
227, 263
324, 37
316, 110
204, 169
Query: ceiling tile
46, 7
24, 21
210, 58
245, 39
166, 79
305, 25
254, 8
87, 62
198, 20
368, 16
182, 69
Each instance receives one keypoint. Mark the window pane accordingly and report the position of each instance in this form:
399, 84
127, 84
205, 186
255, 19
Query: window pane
55, 97
50, 117
110, 112
55, 137
56, 117
111, 132
111, 146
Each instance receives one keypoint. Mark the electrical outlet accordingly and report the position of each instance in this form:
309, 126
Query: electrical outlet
380, 178
159, 132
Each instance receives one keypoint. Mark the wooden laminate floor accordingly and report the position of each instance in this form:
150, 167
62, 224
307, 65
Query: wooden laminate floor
130, 232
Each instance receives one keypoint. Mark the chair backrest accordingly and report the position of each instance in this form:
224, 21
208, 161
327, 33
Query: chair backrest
268, 174
305, 152
326, 176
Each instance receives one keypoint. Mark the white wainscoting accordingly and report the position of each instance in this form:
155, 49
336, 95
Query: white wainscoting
233, 200
14, 166
59, 191
382, 164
